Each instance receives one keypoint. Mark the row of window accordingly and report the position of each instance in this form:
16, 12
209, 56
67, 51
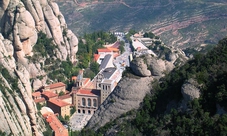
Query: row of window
105, 87
88, 102
84, 112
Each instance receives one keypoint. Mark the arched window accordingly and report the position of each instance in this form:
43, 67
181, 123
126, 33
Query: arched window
83, 101
89, 102
94, 102
78, 110
89, 112
83, 111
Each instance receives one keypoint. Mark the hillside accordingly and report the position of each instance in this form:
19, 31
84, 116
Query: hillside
190, 100
180, 23
34, 40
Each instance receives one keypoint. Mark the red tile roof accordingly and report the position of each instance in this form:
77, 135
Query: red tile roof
113, 49
86, 81
89, 92
96, 57
104, 50
49, 94
64, 96
56, 85
55, 124
39, 100
116, 44
74, 77
35, 94
59, 102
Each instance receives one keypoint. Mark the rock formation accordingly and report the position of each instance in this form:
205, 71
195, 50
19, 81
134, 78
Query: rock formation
139, 67
149, 65
190, 90
130, 91
20, 23
126, 96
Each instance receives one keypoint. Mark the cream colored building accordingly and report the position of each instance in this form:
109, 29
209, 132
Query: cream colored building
107, 87
86, 101
88, 97
59, 106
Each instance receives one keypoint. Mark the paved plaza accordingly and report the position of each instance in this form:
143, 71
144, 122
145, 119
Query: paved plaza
78, 121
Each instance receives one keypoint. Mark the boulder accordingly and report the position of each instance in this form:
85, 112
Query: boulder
171, 57
139, 67
37, 84
190, 90
157, 66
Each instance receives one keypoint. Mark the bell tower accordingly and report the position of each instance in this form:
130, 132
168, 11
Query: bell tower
79, 79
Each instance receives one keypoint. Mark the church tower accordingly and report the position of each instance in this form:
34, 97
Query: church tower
79, 79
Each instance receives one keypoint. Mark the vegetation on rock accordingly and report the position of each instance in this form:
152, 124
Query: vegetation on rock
89, 44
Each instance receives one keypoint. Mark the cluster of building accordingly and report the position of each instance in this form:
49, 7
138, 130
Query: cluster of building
86, 94
105, 56
140, 45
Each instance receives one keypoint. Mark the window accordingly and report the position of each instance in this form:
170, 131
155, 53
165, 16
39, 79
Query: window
89, 102
94, 103
106, 87
83, 111
89, 112
78, 110
83, 102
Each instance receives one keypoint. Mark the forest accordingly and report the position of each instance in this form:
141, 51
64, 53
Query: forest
201, 116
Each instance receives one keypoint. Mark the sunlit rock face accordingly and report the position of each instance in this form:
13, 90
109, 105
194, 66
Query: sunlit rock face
20, 23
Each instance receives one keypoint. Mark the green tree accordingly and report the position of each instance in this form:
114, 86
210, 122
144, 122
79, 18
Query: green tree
61, 93
121, 47
94, 66
89, 74
149, 34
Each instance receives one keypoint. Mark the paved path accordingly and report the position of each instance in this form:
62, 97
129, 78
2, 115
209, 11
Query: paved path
123, 60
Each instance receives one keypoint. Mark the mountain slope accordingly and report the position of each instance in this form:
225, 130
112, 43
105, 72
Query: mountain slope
180, 23
23, 68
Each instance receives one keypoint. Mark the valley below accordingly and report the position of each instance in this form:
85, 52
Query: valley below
179, 23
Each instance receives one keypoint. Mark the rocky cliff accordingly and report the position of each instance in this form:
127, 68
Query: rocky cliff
135, 84
20, 23
126, 96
